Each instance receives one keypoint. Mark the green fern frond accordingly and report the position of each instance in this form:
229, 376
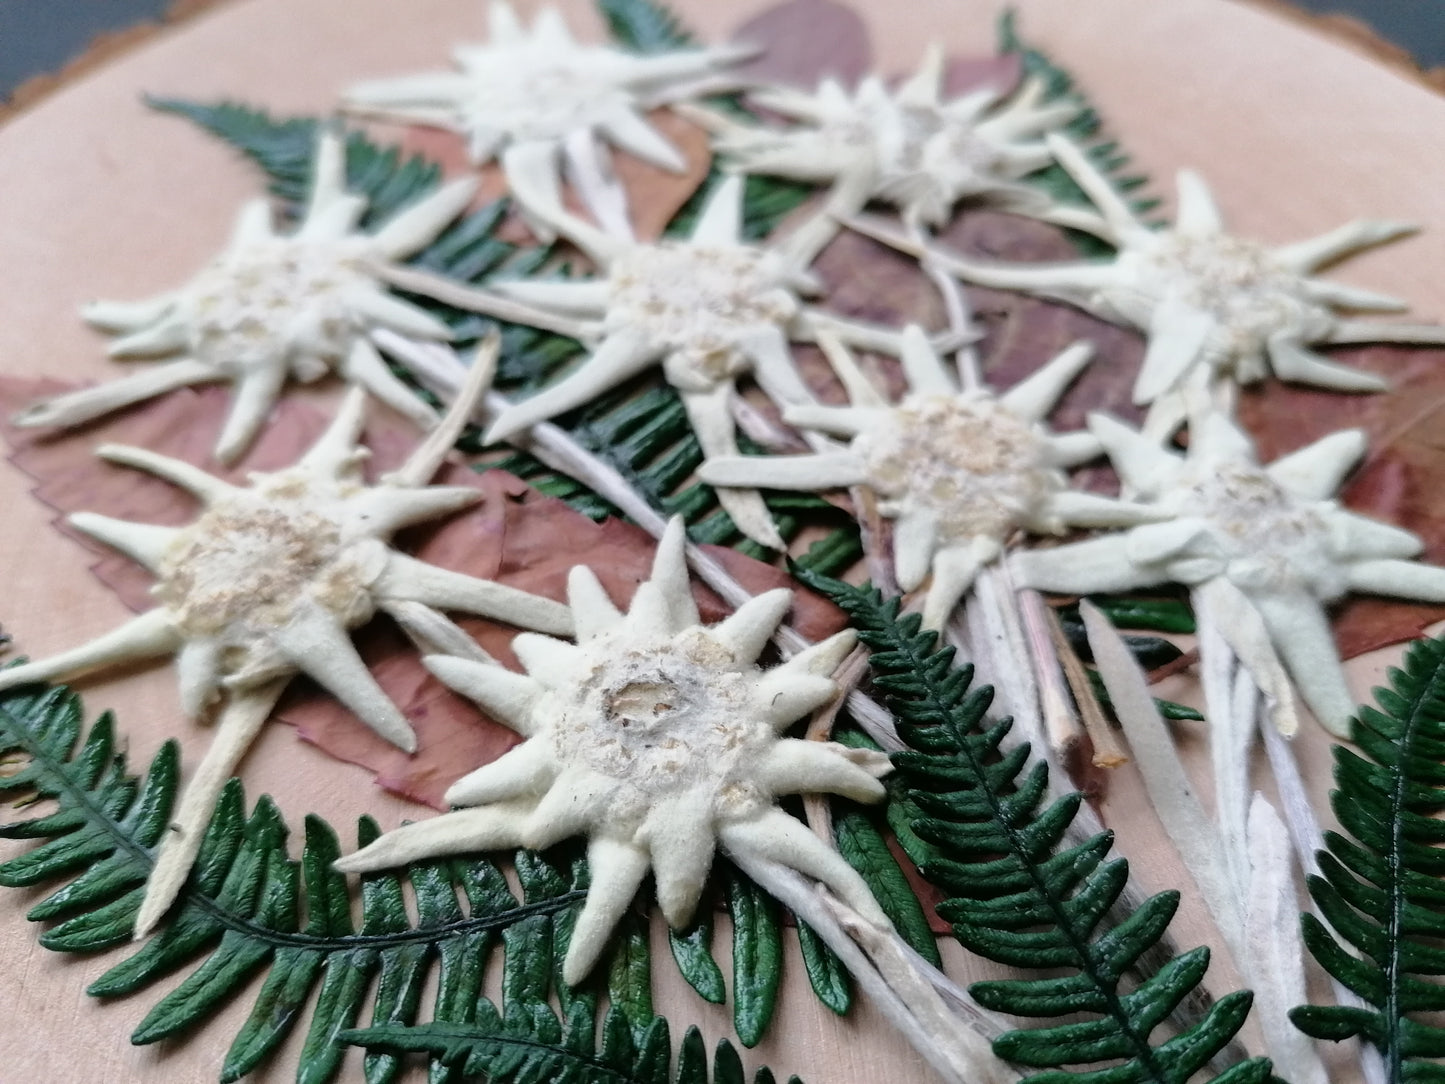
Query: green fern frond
644, 26
1013, 896
530, 1043
1054, 180
1382, 888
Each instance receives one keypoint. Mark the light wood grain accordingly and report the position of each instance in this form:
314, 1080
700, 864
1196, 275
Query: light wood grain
101, 197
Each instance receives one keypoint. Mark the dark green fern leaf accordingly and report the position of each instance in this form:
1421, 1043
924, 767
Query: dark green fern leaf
532, 1044
644, 26
1053, 180
249, 910
1382, 887
1014, 895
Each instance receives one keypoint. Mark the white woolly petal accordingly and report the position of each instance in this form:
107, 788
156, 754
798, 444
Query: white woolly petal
679, 835
541, 656
1316, 471
1197, 214
915, 539
1294, 363
143, 637
144, 543
617, 873
318, 646
120, 317
462, 831
824, 470
1398, 579
251, 402
747, 631
1306, 256
670, 573
922, 366
166, 336
955, 568
1301, 633
720, 222
198, 670
585, 297
1153, 543
1079, 509
1034, 397
78, 407
823, 657
508, 697
785, 698
524, 771
411, 580
621, 356
413, 228
593, 612
1178, 333
624, 128
797, 766
1100, 565
198, 482
776, 837
1352, 536
577, 800
1144, 465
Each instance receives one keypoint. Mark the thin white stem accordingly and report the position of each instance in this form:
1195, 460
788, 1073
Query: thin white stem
473, 299
955, 305
1061, 723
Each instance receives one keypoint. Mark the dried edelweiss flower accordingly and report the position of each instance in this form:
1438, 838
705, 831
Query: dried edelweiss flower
657, 738
1212, 304
275, 306
1273, 532
530, 96
907, 147
268, 581
960, 472
710, 309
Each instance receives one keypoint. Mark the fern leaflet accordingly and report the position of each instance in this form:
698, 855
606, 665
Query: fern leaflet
991, 844
1382, 888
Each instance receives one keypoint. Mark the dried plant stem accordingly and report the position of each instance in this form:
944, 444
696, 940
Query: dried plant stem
956, 1046
1107, 752
955, 305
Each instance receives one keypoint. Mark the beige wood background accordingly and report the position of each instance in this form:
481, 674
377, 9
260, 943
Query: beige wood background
101, 197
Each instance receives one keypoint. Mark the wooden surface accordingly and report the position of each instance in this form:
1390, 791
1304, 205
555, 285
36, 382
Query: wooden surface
101, 198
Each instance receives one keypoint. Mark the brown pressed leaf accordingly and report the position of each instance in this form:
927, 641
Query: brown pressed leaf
1399, 479
515, 536
805, 41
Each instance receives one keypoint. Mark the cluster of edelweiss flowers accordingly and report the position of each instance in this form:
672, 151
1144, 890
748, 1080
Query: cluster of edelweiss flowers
656, 737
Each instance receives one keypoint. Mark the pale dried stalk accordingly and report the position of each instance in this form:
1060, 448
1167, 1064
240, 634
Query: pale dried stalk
442, 371
1169, 788
957, 1048
1107, 752
1273, 946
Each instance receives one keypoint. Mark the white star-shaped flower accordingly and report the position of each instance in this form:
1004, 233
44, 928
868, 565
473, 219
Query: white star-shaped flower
907, 147
1212, 304
276, 306
268, 582
709, 309
531, 97
1273, 533
657, 738
959, 472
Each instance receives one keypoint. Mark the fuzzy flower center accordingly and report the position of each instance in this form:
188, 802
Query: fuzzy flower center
666, 717
1270, 540
978, 468
535, 94
258, 304
1239, 283
243, 566
699, 303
